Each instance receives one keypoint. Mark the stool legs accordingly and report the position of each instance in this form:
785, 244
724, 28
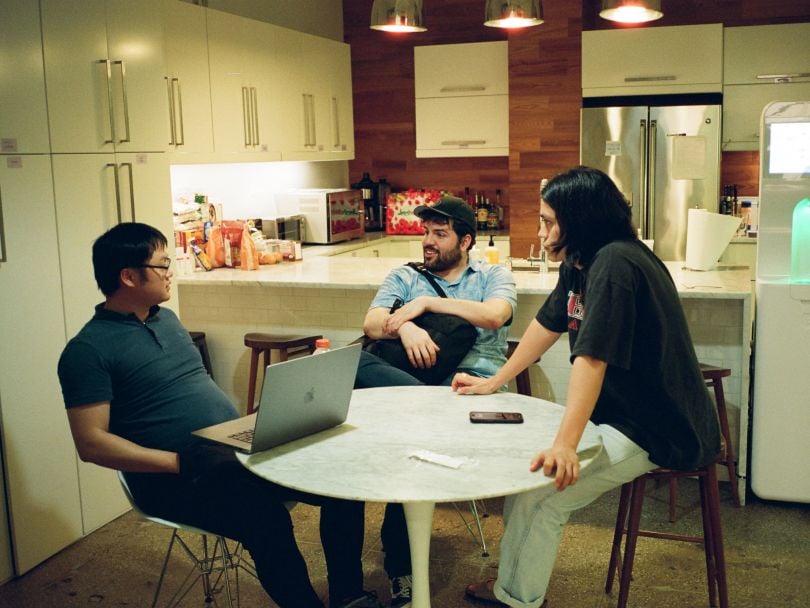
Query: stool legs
254, 366
629, 512
720, 400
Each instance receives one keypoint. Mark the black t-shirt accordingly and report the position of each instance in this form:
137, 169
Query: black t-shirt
624, 309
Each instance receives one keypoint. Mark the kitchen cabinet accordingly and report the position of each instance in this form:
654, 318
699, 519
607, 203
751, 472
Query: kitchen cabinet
245, 79
188, 87
23, 112
761, 64
318, 98
104, 72
94, 192
653, 60
40, 462
462, 99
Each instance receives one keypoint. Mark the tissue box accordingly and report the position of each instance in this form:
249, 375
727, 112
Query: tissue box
400, 218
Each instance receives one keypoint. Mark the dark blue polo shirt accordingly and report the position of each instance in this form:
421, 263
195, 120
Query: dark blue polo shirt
150, 372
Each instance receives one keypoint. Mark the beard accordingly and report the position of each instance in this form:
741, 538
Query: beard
443, 260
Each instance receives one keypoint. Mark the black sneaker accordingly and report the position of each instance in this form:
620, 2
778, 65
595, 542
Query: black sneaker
367, 600
401, 591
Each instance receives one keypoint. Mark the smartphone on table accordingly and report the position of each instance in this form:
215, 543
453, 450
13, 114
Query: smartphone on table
496, 417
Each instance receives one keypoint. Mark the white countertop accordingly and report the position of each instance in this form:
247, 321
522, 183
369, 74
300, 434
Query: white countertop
322, 271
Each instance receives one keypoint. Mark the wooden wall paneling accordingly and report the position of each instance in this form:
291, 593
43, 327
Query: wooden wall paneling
741, 168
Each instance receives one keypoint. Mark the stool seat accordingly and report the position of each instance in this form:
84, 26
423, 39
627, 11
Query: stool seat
523, 381
261, 343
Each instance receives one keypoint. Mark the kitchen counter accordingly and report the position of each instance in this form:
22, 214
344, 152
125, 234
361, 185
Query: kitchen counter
329, 295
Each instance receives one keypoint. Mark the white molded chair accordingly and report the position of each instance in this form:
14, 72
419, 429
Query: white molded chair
219, 559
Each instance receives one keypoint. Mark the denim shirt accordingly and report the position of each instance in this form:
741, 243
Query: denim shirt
479, 282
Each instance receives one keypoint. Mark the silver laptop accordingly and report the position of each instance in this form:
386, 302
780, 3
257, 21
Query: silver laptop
299, 397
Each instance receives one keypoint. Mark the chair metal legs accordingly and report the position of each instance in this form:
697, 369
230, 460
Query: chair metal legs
477, 518
215, 558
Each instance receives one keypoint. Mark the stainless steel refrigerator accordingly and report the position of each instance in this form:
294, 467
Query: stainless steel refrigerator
665, 159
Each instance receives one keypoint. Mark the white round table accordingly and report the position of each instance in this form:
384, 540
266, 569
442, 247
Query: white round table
374, 456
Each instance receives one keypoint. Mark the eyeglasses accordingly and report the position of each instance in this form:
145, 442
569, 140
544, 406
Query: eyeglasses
162, 270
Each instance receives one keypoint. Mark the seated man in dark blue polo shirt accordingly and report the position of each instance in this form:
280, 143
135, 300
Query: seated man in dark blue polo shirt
135, 387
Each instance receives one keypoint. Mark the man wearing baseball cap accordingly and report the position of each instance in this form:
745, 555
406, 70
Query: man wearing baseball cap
483, 294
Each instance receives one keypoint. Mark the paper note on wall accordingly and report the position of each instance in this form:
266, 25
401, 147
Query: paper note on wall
688, 157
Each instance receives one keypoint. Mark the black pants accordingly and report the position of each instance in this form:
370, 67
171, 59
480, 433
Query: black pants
228, 499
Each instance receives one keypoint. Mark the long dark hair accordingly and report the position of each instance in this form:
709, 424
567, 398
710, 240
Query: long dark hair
591, 212
126, 245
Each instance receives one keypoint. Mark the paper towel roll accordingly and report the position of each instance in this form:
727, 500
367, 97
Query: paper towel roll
707, 235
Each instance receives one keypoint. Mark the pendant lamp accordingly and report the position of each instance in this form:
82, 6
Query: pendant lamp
397, 16
513, 13
631, 11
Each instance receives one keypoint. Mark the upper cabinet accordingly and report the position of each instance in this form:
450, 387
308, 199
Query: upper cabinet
462, 99
318, 99
23, 113
761, 64
188, 89
104, 71
653, 60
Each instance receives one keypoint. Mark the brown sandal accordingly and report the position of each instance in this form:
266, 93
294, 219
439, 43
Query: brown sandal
484, 592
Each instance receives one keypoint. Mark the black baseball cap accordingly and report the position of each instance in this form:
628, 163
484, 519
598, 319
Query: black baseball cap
449, 206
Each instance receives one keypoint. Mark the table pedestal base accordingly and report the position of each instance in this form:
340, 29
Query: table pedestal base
419, 517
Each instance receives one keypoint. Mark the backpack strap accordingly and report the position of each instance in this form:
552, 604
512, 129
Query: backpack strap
420, 268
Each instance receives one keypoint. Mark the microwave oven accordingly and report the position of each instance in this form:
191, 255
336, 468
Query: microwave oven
331, 215
292, 228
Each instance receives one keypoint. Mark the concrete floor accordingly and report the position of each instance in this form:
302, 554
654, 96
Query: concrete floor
767, 552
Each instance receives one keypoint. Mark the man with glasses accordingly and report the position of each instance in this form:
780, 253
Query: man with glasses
135, 388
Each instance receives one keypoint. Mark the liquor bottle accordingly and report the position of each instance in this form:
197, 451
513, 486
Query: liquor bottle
481, 212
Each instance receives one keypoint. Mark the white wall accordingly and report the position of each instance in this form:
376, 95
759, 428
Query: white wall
245, 190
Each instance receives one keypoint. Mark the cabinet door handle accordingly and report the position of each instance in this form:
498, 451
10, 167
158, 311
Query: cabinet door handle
464, 142
181, 140
131, 189
314, 137
463, 88
254, 96
648, 78
651, 171
246, 115
336, 122
111, 117
172, 128
780, 78
3, 257
305, 107
117, 190
124, 100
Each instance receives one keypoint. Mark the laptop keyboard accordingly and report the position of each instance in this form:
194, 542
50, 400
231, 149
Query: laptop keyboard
246, 436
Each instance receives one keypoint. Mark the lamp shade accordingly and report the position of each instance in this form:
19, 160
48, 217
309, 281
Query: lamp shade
513, 13
397, 16
631, 11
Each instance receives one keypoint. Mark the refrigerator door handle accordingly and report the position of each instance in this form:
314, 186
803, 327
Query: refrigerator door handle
643, 192
651, 179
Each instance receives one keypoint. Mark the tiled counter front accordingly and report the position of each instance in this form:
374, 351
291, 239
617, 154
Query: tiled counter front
719, 321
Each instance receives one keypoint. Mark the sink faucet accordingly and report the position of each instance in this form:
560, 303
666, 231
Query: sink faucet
541, 258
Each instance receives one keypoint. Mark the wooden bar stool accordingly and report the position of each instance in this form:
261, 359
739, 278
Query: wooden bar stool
627, 523
198, 337
713, 376
264, 343
522, 380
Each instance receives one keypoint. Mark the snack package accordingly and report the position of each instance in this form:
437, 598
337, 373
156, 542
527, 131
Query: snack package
249, 255
232, 241
215, 248
200, 256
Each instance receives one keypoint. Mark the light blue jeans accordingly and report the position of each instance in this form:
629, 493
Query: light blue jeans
534, 520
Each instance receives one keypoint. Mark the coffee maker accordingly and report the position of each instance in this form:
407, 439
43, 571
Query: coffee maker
373, 203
